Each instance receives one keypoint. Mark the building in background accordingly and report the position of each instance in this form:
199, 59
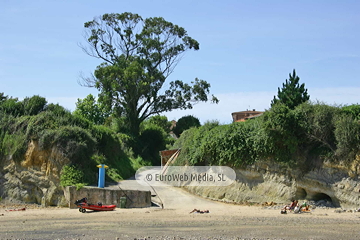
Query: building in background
244, 115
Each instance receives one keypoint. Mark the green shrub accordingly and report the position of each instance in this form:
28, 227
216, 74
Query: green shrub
347, 134
34, 105
185, 123
79, 186
353, 110
151, 141
57, 110
12, 106
71, 175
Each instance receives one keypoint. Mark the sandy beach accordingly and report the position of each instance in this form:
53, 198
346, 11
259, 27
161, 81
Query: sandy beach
224, 221
174, 221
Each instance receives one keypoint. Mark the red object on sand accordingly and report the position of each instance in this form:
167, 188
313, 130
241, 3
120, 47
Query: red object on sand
97, 207
19, 209
83, 205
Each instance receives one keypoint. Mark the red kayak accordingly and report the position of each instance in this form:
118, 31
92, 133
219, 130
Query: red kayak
82, 204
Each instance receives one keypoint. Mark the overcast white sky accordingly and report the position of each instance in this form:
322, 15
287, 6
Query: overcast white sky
247, 49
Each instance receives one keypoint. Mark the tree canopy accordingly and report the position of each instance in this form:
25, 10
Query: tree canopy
185, 123
91, 110
292, 93
353, 110
28, 106
138, 56
160, 121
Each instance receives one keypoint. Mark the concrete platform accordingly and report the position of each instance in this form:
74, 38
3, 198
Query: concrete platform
108, 196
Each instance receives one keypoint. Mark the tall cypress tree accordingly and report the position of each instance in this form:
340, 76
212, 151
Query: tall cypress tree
292, 93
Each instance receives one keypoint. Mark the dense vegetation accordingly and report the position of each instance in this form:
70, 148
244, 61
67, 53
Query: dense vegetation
303, 136
78, 139
293, 131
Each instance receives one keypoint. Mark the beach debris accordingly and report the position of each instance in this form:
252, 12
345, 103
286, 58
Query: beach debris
269, 204
199, 211
16, 209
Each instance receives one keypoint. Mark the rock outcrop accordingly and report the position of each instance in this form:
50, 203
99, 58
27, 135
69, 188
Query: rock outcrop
36, 179
336, 184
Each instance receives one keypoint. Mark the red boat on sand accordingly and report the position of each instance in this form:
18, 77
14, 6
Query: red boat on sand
82, 204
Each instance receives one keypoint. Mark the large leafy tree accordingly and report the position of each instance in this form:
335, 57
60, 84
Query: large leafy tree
138, 56
292, 93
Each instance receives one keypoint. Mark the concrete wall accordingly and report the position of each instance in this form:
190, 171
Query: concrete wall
134, 198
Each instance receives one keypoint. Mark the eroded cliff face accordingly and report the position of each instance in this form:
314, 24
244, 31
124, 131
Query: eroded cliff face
36, 179
338, 184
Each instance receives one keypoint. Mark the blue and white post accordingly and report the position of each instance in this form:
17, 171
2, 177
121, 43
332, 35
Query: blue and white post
101, 182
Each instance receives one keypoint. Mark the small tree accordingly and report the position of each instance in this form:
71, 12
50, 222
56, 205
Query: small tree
292, 93
185, 123
34, 105
161, 121
91, 110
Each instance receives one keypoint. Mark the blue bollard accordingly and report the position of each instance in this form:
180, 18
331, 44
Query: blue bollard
101, 182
